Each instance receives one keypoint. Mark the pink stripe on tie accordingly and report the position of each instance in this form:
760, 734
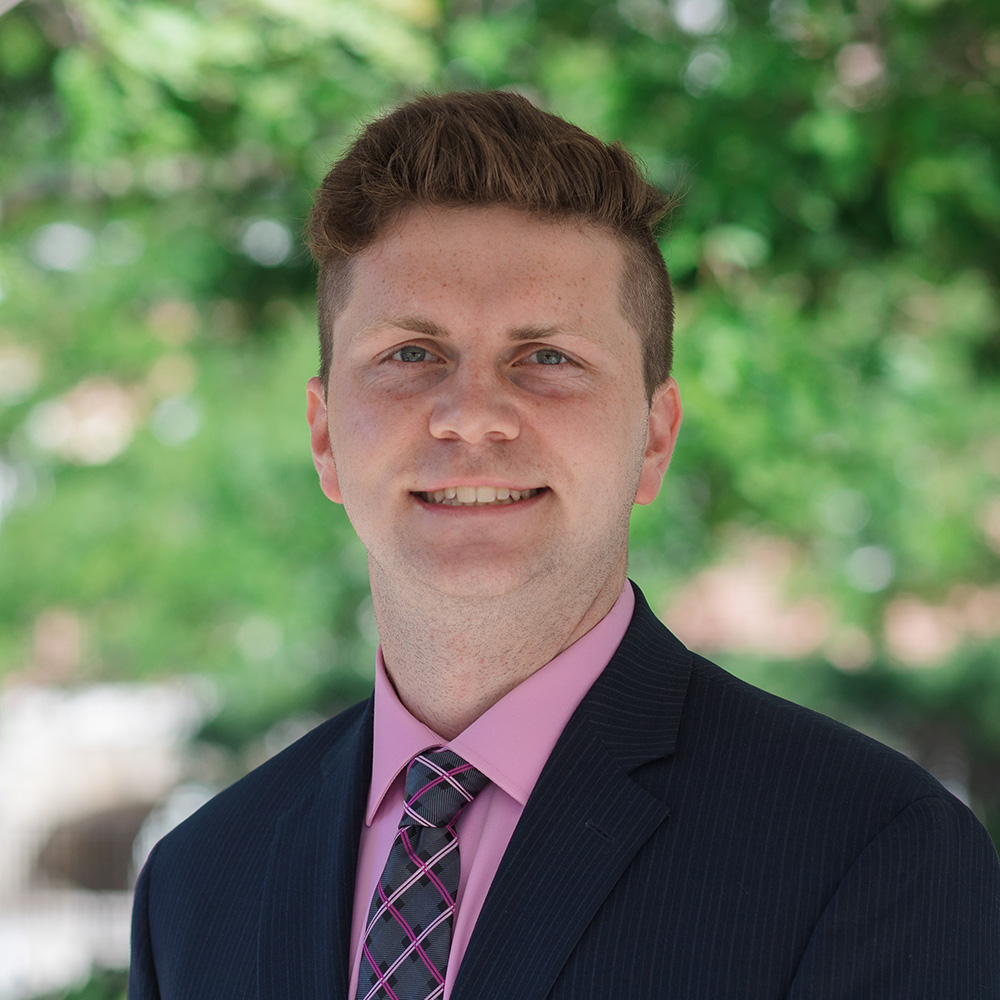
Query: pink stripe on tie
426, 869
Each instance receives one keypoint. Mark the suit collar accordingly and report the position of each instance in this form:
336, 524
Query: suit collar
585, 820
635, 706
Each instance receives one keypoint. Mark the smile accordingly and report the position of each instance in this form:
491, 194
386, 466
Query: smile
476, 496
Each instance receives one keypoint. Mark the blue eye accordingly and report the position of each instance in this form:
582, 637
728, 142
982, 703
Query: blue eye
411, 353
548, 356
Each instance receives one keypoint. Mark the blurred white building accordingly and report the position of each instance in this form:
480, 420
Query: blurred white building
88, 782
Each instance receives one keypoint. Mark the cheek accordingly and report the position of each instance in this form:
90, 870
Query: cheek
601, 443
362, 422
623, 445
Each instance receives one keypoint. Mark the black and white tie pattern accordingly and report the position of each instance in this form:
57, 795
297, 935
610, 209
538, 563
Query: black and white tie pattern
408, 932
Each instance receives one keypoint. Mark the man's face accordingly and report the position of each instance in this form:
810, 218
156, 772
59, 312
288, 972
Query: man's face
482, 356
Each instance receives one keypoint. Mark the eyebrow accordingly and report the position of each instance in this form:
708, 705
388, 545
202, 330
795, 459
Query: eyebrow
427, 327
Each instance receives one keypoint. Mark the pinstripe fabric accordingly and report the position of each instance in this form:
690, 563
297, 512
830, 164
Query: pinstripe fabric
714, 842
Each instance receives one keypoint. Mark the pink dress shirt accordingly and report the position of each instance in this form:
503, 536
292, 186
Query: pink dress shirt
509, 743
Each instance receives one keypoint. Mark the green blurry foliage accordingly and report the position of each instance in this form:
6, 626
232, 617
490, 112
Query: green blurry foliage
838, 327
105, 985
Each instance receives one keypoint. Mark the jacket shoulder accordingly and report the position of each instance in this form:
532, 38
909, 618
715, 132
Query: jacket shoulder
251, 806
799, 754
749, 740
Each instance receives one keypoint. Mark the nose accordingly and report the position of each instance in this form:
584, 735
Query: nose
474, 406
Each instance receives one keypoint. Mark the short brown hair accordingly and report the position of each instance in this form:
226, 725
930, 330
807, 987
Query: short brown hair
492, 148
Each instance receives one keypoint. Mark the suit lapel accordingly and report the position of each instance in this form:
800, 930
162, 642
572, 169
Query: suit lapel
308, 897
586, 819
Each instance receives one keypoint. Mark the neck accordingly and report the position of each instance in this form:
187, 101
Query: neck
451, 658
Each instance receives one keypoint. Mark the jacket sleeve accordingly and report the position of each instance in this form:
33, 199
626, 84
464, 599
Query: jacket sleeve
916, 917
142, 983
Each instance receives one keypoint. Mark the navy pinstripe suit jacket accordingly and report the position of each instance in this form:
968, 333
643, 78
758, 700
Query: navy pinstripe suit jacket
690, 837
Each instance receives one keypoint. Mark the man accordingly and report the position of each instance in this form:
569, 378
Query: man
548, 795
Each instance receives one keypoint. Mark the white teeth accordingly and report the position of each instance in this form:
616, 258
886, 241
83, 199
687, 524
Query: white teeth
469, 496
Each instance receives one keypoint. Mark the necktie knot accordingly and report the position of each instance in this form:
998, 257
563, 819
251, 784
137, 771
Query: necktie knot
439, 785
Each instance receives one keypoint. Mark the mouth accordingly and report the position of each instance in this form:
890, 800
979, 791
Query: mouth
477, 496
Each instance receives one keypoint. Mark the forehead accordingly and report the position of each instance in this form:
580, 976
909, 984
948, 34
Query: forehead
486, 261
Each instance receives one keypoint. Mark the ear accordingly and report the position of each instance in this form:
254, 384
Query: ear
664, 423
319, 432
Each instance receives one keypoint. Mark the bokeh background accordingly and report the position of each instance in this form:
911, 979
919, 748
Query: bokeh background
178, 600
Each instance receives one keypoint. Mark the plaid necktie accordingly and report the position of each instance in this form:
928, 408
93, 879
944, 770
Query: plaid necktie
408, 933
